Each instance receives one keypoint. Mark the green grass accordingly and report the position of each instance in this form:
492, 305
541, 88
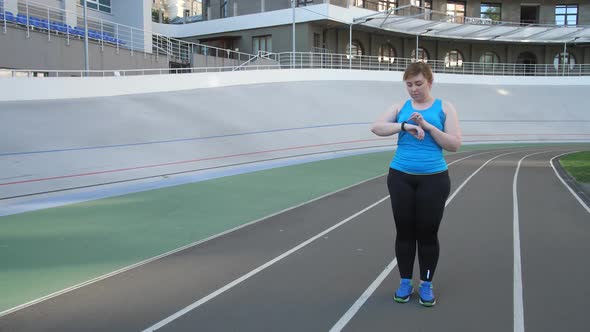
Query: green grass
578, 165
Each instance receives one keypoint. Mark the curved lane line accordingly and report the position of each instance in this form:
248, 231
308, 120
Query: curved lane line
375, 284
565, 184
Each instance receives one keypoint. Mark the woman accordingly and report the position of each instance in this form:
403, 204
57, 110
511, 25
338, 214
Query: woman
418, 179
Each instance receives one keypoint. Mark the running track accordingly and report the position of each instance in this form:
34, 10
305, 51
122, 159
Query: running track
514, 242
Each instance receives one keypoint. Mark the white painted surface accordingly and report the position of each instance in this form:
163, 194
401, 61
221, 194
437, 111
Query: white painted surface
102, 130
15, 89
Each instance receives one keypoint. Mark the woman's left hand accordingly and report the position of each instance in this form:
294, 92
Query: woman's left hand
419, 120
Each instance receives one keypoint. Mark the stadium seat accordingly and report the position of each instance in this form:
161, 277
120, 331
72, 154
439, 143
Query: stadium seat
21, 19
9, 16
34, 21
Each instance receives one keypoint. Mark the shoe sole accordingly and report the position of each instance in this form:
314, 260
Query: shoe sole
427, 304
400, 300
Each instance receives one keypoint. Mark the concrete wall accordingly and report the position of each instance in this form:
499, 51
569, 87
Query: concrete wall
121, 128
43, 52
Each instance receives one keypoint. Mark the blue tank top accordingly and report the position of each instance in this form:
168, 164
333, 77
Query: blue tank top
420, 157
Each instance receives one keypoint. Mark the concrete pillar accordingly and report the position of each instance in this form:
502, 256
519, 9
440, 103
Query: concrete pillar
262, 6
11, 6
71, 12
235, 8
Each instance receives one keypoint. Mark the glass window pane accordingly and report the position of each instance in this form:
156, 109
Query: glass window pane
105, 2
91, 5
255, 44
571, 19
105, 9
263, 44
560, 10
269, 44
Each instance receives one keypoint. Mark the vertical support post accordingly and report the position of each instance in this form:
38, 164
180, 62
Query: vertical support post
117, 36
350, 46
27, 11
49, 25
564, 55
293, 33
416, 47
86, 64
101, 36
131, 45
4, 15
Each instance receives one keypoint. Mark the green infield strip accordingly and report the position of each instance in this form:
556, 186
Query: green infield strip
578, 165
48, 250
45, 251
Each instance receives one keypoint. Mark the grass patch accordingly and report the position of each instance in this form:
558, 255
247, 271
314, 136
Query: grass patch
577, 165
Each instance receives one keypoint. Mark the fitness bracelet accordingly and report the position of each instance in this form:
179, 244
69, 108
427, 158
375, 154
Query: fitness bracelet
404, 126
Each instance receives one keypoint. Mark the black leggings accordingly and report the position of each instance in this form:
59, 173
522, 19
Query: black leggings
418, 203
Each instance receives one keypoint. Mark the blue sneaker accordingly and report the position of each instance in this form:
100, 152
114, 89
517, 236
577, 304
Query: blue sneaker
403, 293
427, 298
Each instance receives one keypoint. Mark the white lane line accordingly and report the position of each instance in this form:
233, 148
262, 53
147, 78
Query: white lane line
565, 184
375, 284
258, 269
364, 297
269, 263
130, 267
518, 302
125, 269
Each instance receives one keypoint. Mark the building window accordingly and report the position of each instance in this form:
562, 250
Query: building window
357, 48
427, 4
566, 14
386, 5
386, 53
454, 58
223, 8
316, 40
100, 5
491, 11
262, 43
562, 59
377, 5
457, 10
422, 55
489, 58
304, 3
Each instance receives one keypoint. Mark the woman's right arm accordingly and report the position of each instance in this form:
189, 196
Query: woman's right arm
385, 125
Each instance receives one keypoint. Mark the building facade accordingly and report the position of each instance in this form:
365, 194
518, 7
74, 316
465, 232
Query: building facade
331, 35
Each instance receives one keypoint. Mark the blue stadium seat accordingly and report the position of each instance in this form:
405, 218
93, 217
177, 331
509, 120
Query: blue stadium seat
94, 34
77, 31
9, 17
44, 23
21, 19
58, 26
36, 22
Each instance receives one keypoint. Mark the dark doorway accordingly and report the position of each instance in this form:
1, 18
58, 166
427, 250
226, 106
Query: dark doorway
529, 14
526, 63
179, 68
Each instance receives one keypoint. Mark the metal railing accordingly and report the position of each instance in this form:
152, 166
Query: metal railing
40, 18
433, 15
309, 60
